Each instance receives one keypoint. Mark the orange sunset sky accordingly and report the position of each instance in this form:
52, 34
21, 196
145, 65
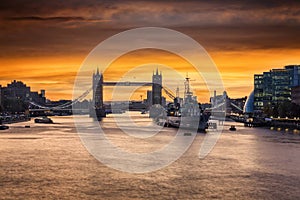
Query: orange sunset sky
43, 43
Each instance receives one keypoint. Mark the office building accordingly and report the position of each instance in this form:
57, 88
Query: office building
275, 86
296, 95
16, 90
17, 94
294, 71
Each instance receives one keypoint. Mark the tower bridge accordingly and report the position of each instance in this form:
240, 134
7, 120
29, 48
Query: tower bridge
99, 83
97, 109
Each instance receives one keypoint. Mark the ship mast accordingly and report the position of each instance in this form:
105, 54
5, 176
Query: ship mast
187, 91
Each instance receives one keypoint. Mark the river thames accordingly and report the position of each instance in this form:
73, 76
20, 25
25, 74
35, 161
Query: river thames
48, 161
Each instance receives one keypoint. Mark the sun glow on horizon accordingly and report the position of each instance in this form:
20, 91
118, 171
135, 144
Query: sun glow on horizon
56, 74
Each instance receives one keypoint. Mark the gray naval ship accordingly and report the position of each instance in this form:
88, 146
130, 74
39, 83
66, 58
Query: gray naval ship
184, 113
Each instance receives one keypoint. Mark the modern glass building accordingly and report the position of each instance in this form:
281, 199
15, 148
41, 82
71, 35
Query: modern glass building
281, 87
248, 108
275, 86
258, 92
294, 71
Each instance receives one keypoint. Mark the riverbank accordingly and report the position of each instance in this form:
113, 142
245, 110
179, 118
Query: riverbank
274, 123
10, 119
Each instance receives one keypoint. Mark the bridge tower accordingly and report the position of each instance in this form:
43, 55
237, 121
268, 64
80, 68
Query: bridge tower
156, 88
98, 94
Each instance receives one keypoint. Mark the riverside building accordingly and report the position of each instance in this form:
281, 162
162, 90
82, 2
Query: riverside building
275, 86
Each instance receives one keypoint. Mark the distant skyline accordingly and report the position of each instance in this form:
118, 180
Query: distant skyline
43, 43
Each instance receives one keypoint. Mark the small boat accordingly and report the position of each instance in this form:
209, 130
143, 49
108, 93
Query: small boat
4, 127
232, 128
44, 120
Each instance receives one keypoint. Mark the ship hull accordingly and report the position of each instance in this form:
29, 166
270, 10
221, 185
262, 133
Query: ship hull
184, 122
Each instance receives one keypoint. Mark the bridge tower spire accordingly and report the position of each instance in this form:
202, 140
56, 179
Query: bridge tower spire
97, 101
156, 88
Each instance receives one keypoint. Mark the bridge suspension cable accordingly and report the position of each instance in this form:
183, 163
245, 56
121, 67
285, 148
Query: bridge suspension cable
237, 107
169, 93
218, 105
64, 105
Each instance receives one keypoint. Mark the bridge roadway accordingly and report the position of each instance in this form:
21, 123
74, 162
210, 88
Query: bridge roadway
127, 83
56, 109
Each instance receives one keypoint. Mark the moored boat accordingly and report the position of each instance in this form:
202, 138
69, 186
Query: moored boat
4, 127
44, 120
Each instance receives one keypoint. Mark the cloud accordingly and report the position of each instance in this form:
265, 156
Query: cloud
242, 36
35, 18
145, 13
56, 27
56, 19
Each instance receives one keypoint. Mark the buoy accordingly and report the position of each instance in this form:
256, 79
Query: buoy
232, 128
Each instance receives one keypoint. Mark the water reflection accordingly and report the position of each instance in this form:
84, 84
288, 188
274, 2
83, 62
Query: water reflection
250, 163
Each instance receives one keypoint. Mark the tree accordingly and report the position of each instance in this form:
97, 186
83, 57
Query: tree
284, 109
268, 110
295, 110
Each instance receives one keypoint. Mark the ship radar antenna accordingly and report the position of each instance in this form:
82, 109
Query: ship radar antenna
177, 92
